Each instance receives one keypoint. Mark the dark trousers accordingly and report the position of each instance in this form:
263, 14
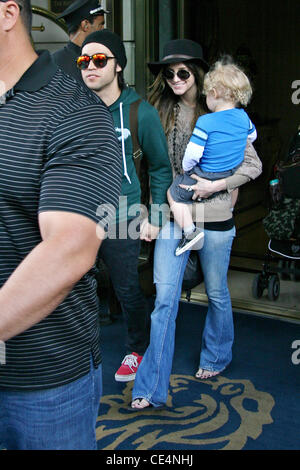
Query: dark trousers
121, 259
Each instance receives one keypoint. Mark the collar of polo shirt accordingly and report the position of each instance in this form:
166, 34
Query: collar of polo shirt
39, 73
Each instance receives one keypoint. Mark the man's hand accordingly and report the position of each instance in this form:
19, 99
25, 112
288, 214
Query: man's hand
204, 188
148, 232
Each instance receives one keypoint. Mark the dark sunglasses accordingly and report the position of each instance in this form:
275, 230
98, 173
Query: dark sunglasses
183, 74
99, 61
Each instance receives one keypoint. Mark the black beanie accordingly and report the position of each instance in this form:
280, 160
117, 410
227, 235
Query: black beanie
110, 40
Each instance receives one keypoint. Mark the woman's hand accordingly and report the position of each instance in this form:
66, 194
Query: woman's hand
148, 232
204, 188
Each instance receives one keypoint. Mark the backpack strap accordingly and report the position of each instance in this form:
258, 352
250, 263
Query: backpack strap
141, 167
133, 119
141, 164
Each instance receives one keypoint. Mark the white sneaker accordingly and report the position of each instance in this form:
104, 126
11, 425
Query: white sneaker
189, 241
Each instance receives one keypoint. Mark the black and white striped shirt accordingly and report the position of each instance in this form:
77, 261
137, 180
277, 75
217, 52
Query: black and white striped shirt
58, 152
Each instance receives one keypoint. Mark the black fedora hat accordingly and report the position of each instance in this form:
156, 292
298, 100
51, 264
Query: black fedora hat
179, 50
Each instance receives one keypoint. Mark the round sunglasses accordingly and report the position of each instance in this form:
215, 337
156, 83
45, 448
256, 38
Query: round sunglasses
99, 60
182, 74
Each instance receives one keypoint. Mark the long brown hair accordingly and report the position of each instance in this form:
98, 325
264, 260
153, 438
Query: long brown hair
164, 100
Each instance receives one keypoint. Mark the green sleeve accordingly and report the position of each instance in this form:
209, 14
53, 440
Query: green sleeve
154, 146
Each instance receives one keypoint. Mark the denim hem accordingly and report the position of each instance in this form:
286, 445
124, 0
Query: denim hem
174, 301
209, 369
155, 405
137, 351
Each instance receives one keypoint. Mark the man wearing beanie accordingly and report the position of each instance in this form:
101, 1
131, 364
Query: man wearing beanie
82, 18
102, 64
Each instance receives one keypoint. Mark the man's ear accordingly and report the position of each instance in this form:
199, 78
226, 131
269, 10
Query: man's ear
11, 13
84, 25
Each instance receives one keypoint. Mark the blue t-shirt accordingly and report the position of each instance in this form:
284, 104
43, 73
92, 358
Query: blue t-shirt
223, 135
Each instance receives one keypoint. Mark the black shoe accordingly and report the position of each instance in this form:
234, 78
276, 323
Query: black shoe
188, 241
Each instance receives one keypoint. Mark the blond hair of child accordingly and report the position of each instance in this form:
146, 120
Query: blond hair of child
229, 80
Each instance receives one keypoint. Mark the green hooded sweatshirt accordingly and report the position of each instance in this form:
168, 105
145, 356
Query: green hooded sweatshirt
154, 147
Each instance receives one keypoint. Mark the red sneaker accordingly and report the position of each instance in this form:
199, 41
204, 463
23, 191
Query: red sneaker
128, 368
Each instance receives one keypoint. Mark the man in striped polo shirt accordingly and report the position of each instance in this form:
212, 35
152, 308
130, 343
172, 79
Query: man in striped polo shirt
60, 162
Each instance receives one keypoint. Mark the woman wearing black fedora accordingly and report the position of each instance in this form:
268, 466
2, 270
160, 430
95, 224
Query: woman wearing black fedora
177, 95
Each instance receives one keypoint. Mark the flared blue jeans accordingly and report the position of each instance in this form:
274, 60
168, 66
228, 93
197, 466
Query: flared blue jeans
152, 379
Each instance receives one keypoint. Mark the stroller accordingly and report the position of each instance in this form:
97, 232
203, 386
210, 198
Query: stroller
282, 225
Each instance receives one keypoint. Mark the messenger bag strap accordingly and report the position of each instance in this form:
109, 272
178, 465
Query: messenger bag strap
133, 119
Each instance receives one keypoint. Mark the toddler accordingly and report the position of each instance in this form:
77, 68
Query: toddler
216, 147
